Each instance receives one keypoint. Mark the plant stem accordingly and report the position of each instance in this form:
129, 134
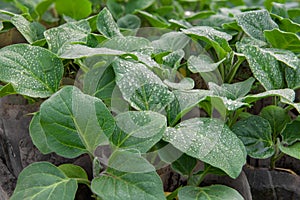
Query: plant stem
234, 69
83, 181
278, 154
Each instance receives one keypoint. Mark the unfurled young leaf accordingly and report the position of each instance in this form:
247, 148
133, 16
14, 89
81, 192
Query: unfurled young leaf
44, 181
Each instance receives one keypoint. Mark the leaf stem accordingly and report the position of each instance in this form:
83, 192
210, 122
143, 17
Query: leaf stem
234, 69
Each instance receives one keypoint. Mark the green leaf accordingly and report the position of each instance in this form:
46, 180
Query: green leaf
129, 21
106, 24
171, 41
129, 162
286, 94
277, 117
76, 9
283, 40
73, 171
173, 59
119, 8
293, 150
75, 123
217, 39
67, 33
285, 56
254, 23
73, 51
207, 193
38, 135
292, 77
256, 134
140, 86
232, 91
288, 25
184, 101
100, 82
291, 133
127, 44
184, 84
138, 130
211, 141
115, 185
43, 180
184, 165
154, 20
264, 67
202, 63
8, 89
31, 70
32, 31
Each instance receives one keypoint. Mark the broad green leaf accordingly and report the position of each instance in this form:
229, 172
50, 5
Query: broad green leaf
277, 117
106, 24
284, 94
42, 180
256, 134
115, 185
232, 91
8, 89
184, 101
73, 51
215, 192
293, 150
32, 31
133, 5
184, 165
279, 9
283, 40
76, 123
173, 59
73, 171
43, 6
154, 20
264, 67
222, 104
100, 82
76, 9
129, 162
140, 86
288, 25
70, 32
128, 44
180, 23
210, 141
202, 63
217, 39
292, 77
38, 135
129, 21
291, 133
184, 84
254, 23
138, 130
285, 56
171, 41
31, 70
